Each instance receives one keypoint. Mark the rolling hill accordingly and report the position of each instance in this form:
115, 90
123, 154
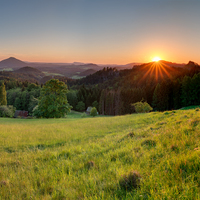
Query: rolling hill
97, 158
29, 70
138, 75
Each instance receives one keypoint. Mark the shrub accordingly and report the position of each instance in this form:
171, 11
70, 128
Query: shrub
83, 115
130, 181
7, 111
142, 107
93, 112
29, 117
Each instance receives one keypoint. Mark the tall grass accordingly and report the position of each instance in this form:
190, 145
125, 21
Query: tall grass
87, 158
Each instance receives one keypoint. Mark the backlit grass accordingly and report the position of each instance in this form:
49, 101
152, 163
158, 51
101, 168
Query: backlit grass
87, 158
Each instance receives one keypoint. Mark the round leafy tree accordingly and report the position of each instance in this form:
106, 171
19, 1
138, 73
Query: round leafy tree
53, 100
93, 112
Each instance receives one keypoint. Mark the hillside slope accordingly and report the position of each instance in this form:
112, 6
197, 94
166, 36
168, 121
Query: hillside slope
86, 158
12, 63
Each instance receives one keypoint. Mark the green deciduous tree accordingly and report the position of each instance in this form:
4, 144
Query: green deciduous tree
93, 112
53, 100
7, 111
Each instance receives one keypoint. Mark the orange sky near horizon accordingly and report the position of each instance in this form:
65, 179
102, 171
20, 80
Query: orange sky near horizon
102, 32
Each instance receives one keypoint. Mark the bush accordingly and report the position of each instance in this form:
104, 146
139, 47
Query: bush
7, 111
29, 117
83, 115
142, 107
130, 181
93, 112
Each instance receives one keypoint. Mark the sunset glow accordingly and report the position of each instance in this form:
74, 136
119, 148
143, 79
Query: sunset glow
158, 70
156, 59
120, 32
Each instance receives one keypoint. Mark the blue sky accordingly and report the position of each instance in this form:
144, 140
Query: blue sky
100, 31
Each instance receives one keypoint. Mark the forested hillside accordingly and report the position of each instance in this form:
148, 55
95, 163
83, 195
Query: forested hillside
162, 84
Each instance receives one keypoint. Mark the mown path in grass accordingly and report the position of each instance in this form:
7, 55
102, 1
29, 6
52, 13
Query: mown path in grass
48, 158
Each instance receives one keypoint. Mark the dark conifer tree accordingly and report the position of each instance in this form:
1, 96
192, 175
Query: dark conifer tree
3, 100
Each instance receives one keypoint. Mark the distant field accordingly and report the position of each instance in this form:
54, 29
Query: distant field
6, 69
77, 77
52, 74
48, 158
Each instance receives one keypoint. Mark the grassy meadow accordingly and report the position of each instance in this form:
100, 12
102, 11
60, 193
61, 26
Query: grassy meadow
85, 158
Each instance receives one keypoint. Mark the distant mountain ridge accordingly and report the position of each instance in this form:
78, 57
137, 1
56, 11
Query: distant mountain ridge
71, 70
12, 63
77, 70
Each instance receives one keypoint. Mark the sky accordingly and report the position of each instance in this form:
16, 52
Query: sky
100, 31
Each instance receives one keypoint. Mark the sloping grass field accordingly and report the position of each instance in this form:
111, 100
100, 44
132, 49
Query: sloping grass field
86, 158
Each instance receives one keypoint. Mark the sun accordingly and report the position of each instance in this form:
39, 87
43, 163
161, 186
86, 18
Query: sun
156, 59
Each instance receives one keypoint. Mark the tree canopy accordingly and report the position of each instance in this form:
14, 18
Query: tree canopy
53, 100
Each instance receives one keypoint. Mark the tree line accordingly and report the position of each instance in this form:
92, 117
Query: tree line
115, 95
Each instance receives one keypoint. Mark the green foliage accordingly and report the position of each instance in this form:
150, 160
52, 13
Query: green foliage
37, 112
93, 112
53, 100
191, 90
7, 111
142, 107
95, 104
32, 104
72, 98
23, 99
80, 106
3, 100
32, 86
161, 96
12, 94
